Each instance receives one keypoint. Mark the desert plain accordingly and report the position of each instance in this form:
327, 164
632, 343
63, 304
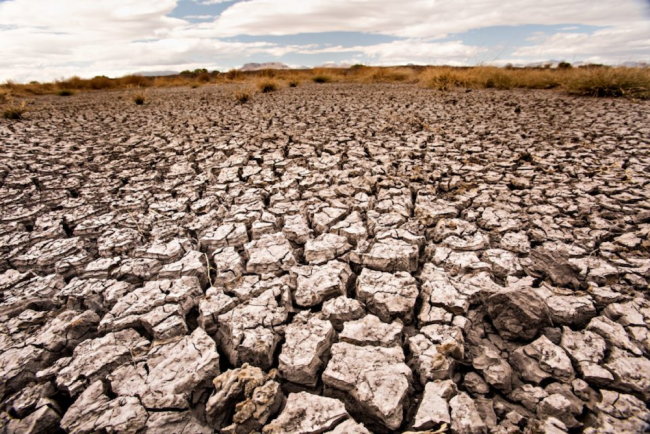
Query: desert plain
330, 258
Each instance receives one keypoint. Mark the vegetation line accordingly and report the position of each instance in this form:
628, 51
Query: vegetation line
589, 80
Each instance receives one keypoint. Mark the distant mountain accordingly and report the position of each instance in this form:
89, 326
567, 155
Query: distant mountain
260, 66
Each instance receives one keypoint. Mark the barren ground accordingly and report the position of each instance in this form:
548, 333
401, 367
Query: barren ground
325, 257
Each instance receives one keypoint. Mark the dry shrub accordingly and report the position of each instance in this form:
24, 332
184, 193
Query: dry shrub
5, 94
139, 97
101, 82
322, 78
135, 81
366, 74
267, 85
269, 73
204, 77
72, 83
496, 78
234, 75
12, 110
65, 92
294, 82
610, 82
243, 95
443, 78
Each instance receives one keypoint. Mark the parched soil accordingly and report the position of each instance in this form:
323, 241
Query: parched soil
334, 258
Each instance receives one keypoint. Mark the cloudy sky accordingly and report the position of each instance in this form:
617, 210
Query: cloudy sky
50, 39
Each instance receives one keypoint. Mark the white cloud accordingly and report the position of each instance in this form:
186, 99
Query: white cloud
415, 18
417, 51
199, 17
47, 39
212, 2
117, 19
610, 45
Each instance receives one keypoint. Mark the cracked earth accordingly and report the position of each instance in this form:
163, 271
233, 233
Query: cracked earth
326, 259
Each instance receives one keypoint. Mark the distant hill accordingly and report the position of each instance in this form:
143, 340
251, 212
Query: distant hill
260, 66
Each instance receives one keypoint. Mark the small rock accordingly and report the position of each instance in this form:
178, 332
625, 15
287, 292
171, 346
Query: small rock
325, 248
342, 309
518, 313
542, 359
371, 331
465, 418
376, 378
305, 413
433, 409
318, 283
387, 295
307, 338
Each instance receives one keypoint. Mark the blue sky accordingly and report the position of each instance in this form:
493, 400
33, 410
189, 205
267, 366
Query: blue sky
46, 39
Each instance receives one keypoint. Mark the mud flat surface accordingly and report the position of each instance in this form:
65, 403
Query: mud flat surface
336, 258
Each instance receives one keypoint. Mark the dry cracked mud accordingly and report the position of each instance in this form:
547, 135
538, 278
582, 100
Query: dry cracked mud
326, 259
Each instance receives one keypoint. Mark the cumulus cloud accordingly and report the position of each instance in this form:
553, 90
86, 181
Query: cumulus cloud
417, 51
610, 45
51, 39
415, 18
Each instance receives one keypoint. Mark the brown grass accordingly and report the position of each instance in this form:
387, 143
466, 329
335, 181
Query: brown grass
243, 95
5, 94
611, 82
596, 81
12, 110
267, 85
140, 97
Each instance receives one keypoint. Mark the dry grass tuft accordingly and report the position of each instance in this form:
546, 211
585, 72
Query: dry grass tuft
243, 95
443, 78
322, 78
140, 97
610, 82
14, 111
267, 85
5, 94
65, 92
294, 82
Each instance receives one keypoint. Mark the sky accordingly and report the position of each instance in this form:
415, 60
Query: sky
45, 40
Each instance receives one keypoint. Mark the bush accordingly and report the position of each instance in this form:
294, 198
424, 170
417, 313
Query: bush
442, 78
14, 111
204, 77
564, 65
242, 96
139, 98
4, 94
65, 92
389, 75
321, 78
267, 85
499, 79
293, 83
100, 82
610, 82
135, 81
233, 74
